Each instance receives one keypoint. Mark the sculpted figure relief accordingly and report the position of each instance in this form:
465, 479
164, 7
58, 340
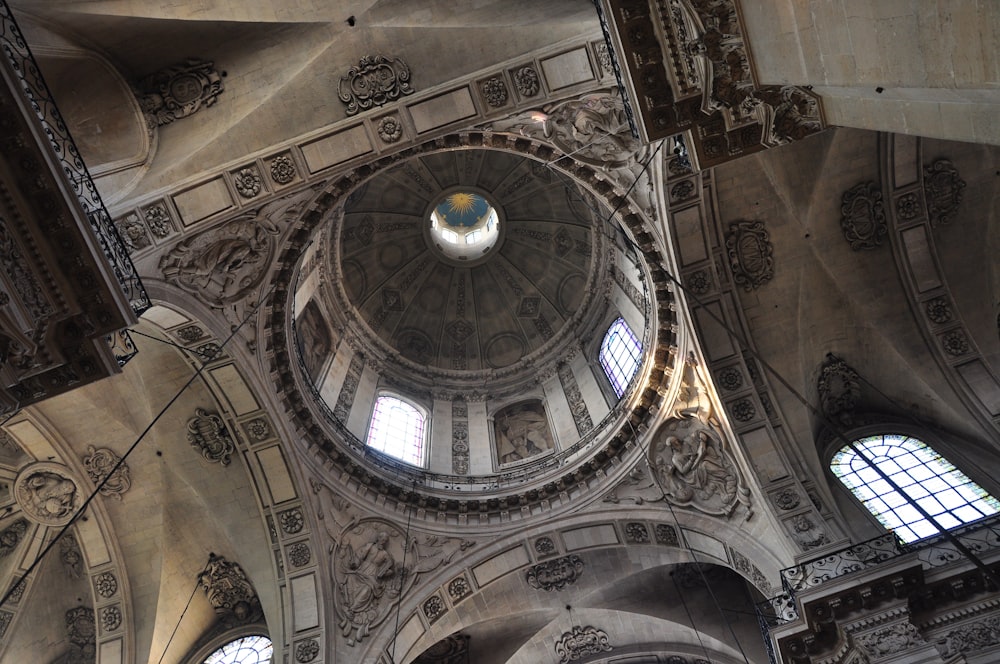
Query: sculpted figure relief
693, 468
47, 494
367, 576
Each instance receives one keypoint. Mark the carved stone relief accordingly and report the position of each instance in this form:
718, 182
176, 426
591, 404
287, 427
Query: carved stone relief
106, 584
580, 642
889, 640
638, 487
544, 546
943, 191
179, 91
862, 216
47, 493
345, 399
666, 534
743, 564
81, 632
369, 567
221, 265
248, 182
555, 574
99, 464
636, 533
494, 91
306, 651
158, 220
133, 232
577, 406
433, 608
526, 81
839, 388
282, 169
459, 589
970, 637
11, 536
230, 592
69, 554
208, 434
807, 534
459, 437
750, 254
390, 129
375, 81
693, 468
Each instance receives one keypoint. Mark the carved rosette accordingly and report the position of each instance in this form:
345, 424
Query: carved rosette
208, 434
526, 81
375, 81
749, 249
580, 642
862, 216
179, 91
230, 592
694, 468
47, 493
555, 574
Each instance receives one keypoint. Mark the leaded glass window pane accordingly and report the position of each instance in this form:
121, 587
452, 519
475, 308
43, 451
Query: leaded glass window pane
245, 650
620, 353
397, 428
924, 477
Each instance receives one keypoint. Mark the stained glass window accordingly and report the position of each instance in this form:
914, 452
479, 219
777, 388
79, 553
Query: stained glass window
620, 353
925, 478
397, 428
245, 650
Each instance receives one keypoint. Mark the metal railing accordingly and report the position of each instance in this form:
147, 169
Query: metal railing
39, 98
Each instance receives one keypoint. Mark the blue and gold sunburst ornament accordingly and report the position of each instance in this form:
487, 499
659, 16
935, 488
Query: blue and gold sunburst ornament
462, 209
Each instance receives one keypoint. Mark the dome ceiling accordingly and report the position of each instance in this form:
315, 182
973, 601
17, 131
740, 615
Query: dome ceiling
487, 315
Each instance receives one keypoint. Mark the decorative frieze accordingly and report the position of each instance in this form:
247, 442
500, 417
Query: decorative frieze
345, 399
555, 574
577, 406
375, 81
459, 437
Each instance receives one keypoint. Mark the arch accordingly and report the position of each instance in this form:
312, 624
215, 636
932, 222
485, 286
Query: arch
621, 355
924, 478
398, 427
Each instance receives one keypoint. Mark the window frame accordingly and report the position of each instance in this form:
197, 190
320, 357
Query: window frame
936, 444
607, 382
215, 640
426, 428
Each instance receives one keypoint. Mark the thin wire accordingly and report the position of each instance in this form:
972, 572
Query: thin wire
399, 602
183, 613
697, 632
205, 356
121, 461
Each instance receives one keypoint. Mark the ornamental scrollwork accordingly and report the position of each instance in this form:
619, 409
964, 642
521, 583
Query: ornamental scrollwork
555, 574
229, 591
208, 434
179, 91
750, 253
100, 464
376, 80
943, 191
580, 642
862, 216
839, 388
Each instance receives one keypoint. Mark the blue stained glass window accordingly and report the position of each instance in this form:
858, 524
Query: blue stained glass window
245, 650
397, 428
620, 354
925, 478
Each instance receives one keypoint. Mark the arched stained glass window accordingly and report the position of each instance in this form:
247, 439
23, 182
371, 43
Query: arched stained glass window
620, 353
245, 650
397, 428
925, 478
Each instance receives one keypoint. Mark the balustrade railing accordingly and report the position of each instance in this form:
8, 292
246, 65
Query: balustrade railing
23, 66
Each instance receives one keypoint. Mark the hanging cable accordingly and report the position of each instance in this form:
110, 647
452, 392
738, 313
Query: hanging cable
183, 613
402, 581
697, 632
121, 461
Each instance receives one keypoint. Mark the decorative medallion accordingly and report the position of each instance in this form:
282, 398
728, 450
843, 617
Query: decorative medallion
47, 493
258, 429
230, 592
636, 533
787, 499
133, 232
666, 534
299, 554
459, 589
580, 642
839, 388
190, 333
730, 379
749, 250
248, 182
699, 282
681, 191
743, 410
555, 574
375, 81
99, 464
494, 91
544, 546
943, 190
433, 608
106, 584
306, 651
956, 343
282, 169
12, 536
180, 90
526, 81
862, 216
291, 521
208, 434
807, 534
694, 468
390, 129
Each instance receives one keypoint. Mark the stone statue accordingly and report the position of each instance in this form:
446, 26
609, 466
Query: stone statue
47, 496
694, 469
369, 582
